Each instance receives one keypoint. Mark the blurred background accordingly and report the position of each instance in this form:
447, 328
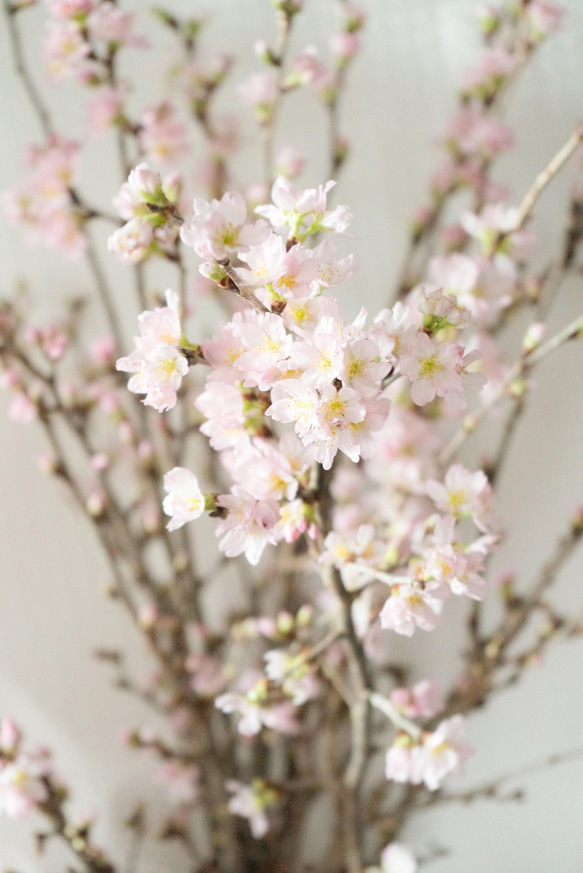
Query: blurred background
53, 614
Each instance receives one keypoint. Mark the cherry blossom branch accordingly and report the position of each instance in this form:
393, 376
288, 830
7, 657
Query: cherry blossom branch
23, 72
77, 838
278, 58
385, 706
493, 790
544, 177
518, 372
420, 246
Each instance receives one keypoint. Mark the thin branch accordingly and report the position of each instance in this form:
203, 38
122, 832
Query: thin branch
518, 371
544, 177
22, 71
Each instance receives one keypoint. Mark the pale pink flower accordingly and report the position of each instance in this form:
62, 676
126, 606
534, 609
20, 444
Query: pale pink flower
304, 211
22, 409
102, 350
222, 406
438, 370
255, 711
457, 274
131, 243
105, 108
267, 343
297, 679
463, 494
495, 66
395, 328
184, 500
220, 227
332, 270
294, 520
398, 760
260, 92
472, 131
362, 368
65, 48
162, 134
337, 410
544, 17
495, 229
284, 273
423, 700
441, 754
307, 69
440, 309
321, 358
208, 675
249, 525
302, 315
344, 45
21, 788
156, 361
112, 25
408, 607
250, 802
292, 400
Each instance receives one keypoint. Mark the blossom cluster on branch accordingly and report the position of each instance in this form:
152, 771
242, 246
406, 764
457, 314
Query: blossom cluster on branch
325, 452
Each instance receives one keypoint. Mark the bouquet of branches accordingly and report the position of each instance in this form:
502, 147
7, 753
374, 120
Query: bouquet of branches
324, 453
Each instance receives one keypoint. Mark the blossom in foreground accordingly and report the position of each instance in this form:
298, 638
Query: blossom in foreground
304, 211
248, 526
220, 228
184, 500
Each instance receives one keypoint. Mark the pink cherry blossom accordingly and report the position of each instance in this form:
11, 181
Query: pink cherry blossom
463, 494
21, 787
409, 607
260, 92
304, 211
423, 700
438, 370
220, 227
250, 802
184, 500
248, 526
441, 754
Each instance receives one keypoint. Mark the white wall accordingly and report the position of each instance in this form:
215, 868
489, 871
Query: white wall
52, 613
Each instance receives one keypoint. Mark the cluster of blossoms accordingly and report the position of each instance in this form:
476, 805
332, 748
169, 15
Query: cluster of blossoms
79, 35
44, 205
147, 204
328, 431
289, 358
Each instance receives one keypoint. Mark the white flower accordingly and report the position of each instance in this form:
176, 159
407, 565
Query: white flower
184, 500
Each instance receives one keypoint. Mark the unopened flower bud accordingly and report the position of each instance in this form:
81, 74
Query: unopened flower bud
533, 336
